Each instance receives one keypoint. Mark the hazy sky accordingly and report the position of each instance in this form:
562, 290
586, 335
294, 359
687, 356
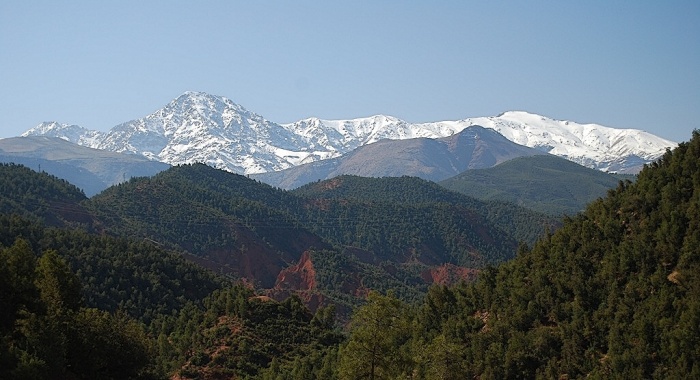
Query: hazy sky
624, 64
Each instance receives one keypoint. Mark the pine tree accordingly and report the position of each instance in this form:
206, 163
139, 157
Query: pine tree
377, 347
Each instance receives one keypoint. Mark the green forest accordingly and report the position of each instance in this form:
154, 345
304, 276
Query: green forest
547, 183
180, 276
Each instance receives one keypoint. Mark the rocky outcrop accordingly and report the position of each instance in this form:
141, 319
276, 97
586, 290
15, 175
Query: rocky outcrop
298, 279
301, 276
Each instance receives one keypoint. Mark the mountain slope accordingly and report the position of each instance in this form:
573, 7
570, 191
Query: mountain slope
322, 248
198, 127
227, 222
545, 183
431, 159
590, 145
40, 196
614, 293
523, 224
92, 170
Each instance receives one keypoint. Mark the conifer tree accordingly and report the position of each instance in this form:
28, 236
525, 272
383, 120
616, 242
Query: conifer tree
377, 347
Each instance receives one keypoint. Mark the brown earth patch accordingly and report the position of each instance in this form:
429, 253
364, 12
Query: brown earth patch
301, 276
449, 274
298, 279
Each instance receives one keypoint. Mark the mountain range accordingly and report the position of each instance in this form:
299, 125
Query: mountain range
199, 127
431, 159
91, 170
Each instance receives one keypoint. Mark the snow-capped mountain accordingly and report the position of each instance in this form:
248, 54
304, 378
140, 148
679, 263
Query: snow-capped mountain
346, 135
198, 127
590, 145
73, 133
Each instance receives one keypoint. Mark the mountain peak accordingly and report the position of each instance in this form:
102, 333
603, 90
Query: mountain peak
201, 98
49, 127
190, 93
69, 132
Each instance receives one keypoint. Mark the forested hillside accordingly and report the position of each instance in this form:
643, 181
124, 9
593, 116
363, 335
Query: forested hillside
74, 304
522, 224
614, 293
401, 234
545, 183
127, 263
46, 332
77, 305
40, 196
392, 233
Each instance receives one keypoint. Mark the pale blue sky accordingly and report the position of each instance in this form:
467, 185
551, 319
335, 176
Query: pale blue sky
627, 64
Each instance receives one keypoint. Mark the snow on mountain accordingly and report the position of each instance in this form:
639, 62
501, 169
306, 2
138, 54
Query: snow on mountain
346, 135
198, 127
73, 133
591, 145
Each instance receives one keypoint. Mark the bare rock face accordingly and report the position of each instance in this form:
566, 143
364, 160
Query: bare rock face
299, 279
301, 276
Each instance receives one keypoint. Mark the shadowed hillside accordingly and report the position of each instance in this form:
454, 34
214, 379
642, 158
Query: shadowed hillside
91, 170
545, 183
431, 159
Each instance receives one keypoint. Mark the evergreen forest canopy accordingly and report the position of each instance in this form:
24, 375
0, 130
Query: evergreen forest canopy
545, 183
244, 228
614, 292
